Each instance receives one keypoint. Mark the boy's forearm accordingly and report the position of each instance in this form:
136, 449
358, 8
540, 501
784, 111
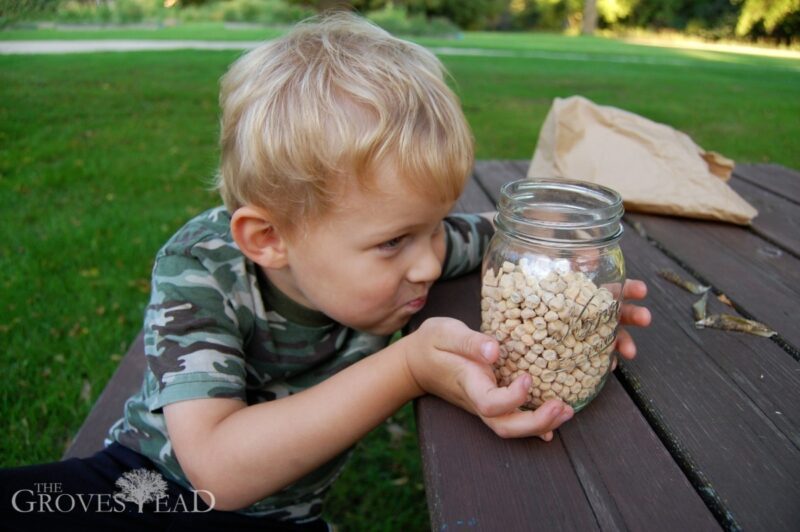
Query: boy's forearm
260, 449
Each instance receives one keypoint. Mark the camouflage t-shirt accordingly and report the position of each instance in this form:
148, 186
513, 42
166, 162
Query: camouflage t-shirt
215, 327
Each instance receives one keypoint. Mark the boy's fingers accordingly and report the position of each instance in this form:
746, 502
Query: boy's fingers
635, 315
540, 422
625, 345
634, 289
489, 400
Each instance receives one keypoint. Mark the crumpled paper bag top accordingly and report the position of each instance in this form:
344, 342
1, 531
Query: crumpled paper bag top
654, 167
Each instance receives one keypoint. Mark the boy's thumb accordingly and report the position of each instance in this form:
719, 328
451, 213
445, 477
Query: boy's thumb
480, 347
454, 336
489, 349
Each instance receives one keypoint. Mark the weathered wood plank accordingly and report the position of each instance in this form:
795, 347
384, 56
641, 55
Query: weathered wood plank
472, 480
613, 451
491, 174
759, 277
475, 478
704, 397
757, 366
724, 402
473, 199
778, 179
626, 471
606, 462
109, 406
778, 219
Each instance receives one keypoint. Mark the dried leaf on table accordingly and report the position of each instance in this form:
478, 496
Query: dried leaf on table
699, 307
676, 279
725, 299
726, 322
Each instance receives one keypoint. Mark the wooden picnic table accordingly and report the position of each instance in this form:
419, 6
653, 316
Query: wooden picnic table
700, 432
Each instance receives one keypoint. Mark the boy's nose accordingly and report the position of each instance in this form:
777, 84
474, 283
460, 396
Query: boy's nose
426, 267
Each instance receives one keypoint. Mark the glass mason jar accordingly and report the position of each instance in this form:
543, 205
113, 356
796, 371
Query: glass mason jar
552, 287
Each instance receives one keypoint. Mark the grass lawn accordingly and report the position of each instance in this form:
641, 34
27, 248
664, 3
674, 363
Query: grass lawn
103, 156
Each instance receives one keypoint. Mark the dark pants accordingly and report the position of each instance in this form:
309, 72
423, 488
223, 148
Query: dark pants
78, 494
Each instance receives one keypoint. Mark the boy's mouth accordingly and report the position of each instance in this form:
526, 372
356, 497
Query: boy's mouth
416, 304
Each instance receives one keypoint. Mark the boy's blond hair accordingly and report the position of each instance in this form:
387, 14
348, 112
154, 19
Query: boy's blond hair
330, 101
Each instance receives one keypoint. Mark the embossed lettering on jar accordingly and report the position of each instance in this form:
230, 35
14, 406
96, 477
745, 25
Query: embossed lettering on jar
552, 287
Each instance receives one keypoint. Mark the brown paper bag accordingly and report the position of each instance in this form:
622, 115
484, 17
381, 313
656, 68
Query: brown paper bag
654, 167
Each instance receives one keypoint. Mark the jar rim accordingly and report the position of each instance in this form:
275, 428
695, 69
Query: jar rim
592, 215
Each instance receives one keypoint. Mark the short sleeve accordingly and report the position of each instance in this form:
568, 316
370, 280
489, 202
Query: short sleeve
467, 237
192, 340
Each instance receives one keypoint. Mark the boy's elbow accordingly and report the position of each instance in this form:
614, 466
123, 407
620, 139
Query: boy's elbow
209, 498
218, 500
193, 428
223, 491
218, 495
215, 479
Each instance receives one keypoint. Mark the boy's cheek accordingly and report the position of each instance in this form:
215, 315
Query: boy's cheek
440, 245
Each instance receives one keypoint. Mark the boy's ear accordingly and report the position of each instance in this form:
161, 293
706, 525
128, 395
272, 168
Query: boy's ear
258, 238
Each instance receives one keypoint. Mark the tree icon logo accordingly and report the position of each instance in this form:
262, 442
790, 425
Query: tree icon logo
140, 486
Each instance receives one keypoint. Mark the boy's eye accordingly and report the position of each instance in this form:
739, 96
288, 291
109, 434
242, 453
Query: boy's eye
391, 244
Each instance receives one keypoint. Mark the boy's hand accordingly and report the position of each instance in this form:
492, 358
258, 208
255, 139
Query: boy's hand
448, 359
631, 315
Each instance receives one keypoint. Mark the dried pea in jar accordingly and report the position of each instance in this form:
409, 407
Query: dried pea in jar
552, 287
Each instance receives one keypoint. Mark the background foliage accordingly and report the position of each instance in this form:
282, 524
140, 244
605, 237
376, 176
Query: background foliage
773, 21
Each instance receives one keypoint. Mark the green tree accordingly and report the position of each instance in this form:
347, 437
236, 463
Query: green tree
770, 13
555, 14
324, 5
12, 11
708, 17
474, 14
614, 11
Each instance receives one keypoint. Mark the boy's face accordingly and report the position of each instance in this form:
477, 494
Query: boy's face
370, 263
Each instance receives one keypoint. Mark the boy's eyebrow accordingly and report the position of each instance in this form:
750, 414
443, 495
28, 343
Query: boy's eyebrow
389, 231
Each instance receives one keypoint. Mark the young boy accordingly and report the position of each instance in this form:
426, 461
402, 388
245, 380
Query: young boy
267, 333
